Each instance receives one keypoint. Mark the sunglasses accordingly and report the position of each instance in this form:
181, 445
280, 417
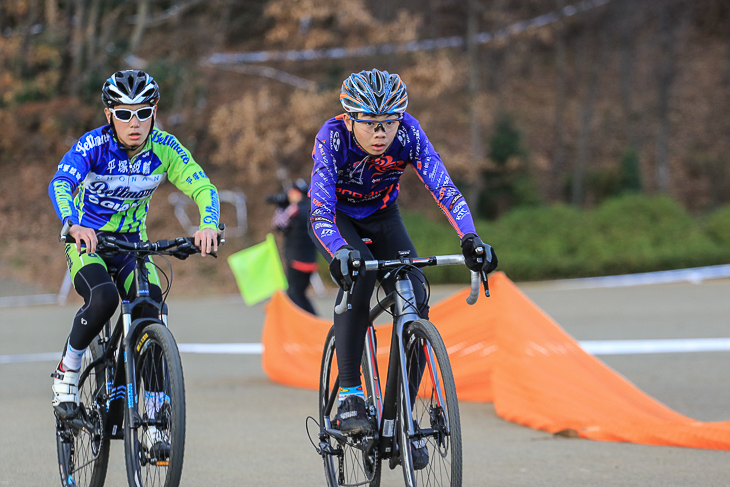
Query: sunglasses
375, 125
125, 114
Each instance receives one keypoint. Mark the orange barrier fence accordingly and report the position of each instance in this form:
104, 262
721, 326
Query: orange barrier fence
506, 350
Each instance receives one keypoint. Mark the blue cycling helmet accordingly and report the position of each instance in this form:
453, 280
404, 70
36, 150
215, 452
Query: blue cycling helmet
374, 92
130, 88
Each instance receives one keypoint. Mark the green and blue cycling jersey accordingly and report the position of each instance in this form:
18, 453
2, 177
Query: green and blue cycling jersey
114, 191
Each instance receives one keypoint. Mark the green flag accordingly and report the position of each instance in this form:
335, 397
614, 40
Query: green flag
258, 271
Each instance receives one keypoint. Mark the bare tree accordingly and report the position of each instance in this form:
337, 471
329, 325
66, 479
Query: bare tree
561, 64
143, 11
592, 53
77, 45
51, 19
627, 13
475, 186
27, 29
670, 26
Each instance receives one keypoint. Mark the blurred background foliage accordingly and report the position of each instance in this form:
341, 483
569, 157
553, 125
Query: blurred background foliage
589, 137
626, 234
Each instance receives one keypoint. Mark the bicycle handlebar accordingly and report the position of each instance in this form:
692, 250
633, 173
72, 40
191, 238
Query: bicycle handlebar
436, 260
180, 247
474, 293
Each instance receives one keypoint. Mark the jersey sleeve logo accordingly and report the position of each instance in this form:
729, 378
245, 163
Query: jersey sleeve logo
402, 136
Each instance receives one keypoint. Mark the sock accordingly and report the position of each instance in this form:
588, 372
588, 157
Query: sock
349, 391
72, 358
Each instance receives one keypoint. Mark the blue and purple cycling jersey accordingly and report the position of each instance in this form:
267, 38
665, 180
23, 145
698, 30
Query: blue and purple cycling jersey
345, 178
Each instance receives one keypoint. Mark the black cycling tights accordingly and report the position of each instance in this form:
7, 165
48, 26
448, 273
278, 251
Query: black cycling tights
101, 298
385, 229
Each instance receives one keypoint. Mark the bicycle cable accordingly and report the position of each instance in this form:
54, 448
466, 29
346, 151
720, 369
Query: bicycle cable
410, 270
309, 433
168, 279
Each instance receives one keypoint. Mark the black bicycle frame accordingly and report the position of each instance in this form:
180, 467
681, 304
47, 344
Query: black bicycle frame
402, 299
122, 385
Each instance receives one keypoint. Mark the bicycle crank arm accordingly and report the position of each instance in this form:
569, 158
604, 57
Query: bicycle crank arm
84, 425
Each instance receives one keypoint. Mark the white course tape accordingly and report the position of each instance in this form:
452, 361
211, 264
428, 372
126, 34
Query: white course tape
623, 347
594, 347
228, 348
214, 348
694, 275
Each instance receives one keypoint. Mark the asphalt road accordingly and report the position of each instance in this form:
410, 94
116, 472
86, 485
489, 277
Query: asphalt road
245, 430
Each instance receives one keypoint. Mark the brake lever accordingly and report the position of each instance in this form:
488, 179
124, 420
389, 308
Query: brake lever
344, 304
482, 274
485, 282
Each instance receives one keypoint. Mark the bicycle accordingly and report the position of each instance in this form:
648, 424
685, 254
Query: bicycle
131, 385
419, 406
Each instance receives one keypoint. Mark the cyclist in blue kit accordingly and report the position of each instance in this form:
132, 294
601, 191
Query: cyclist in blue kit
359, 158
113, 172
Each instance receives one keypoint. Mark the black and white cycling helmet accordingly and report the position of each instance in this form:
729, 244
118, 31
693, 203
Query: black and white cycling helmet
374, 92
130, 87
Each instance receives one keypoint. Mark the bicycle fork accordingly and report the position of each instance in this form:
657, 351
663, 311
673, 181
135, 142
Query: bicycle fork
410, 380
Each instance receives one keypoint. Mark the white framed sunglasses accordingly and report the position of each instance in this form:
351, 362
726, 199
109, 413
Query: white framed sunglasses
125, 114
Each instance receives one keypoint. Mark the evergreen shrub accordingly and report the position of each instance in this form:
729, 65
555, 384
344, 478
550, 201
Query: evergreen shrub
626, 234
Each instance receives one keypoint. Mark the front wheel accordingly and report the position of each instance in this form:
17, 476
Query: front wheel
155, 445
431, 453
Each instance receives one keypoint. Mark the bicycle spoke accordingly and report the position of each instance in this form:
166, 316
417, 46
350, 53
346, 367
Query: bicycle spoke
347, 461
157, 454
83, 448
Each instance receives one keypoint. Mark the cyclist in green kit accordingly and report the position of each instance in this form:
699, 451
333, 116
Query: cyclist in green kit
103, 185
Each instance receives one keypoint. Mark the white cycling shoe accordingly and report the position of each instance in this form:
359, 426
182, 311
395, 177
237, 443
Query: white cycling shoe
65, 392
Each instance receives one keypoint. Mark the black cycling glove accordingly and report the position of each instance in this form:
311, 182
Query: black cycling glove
486, 262
341, 265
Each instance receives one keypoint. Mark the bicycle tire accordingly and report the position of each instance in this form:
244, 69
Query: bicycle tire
83, 454
370, 397
352, 465
160, 403
436, 423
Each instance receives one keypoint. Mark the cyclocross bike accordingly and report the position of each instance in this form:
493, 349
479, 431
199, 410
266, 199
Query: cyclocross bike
418, 409
131, 386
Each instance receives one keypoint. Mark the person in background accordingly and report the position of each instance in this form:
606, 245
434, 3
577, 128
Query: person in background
300, 253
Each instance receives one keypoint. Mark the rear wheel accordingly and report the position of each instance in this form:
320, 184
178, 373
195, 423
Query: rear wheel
81, 443
348, 461
156, 445
431, 454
